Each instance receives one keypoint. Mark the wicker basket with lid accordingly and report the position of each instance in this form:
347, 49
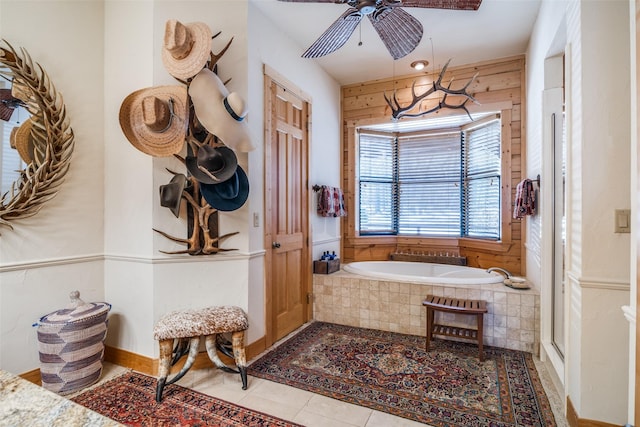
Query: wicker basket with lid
71, 345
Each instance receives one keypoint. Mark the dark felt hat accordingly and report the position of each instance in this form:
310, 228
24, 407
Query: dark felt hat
229, 195
212, 165
171, 193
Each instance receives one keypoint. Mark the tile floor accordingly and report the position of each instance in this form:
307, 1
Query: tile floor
303, 407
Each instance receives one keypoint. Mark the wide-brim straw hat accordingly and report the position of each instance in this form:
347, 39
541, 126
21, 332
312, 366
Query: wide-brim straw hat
22, 141
229, 195
220, 112
155, 119
171, 193
186, 49
212, 165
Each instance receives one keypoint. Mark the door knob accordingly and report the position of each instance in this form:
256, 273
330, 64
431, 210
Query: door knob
275, 245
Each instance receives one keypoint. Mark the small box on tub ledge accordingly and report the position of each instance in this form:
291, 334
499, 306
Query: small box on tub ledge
328, 263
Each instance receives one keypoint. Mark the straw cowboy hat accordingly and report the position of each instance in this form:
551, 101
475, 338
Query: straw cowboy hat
22, 141
212, 165
21, 91
220, 112
186, 48
154, 119
229, 195
171, 193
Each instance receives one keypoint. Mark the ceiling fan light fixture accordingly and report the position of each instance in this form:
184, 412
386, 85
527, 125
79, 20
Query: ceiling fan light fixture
419, 64
366, 7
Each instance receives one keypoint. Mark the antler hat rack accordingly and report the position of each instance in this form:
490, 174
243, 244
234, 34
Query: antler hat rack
213, 181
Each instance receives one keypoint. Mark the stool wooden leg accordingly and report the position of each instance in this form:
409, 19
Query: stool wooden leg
480, 339
166, 350
430, 318
237, 341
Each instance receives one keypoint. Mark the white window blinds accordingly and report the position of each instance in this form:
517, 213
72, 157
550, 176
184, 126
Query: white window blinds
444, 184
429, 181
482, 165
376, 171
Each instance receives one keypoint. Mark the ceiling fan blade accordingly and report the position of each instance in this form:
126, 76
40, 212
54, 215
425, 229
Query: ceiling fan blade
439, 4
399, 31
336, 35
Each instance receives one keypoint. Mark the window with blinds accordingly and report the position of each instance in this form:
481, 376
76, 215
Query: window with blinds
429, 184
378, 185
481, 196
444, 184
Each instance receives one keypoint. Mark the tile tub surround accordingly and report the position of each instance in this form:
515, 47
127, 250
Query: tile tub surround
512, 320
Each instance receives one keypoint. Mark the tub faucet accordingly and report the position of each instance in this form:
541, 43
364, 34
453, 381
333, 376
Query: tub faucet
499, 270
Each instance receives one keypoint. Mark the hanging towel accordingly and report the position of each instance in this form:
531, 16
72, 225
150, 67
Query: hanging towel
331, 202
525, 199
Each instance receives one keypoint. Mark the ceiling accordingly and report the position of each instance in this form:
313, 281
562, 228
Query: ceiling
498, 29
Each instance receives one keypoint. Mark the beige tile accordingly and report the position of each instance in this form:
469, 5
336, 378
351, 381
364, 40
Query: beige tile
513, 299
382, 419
486, 295
282, 393
266, 405
227, 388
449, 292
500, 297
337, 410
310, 419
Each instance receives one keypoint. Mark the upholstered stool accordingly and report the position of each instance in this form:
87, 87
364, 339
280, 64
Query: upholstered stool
185, 327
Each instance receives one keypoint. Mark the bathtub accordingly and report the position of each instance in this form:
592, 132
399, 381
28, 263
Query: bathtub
423, 272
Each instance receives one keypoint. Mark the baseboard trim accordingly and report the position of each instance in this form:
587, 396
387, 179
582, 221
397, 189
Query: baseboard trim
32, 376
137, 362
575, 421
149, 366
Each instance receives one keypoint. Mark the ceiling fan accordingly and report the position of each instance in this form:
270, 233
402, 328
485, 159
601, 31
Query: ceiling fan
400, 32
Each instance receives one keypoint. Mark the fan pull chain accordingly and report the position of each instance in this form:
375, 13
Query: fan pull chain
360, 33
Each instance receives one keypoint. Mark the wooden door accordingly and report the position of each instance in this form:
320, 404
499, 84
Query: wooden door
288, 261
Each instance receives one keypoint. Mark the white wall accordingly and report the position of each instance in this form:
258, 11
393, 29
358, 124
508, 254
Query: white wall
598, 172
268, 45
60, 249
96, 235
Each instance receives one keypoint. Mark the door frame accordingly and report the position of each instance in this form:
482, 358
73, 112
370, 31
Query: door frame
272, 75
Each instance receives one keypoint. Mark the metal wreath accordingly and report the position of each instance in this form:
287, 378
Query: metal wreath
50, 132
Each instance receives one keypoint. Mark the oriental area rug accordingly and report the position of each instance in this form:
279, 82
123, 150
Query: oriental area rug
130, 399
391, 372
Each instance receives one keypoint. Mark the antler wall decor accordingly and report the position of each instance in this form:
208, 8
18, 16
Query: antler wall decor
51, 134
397, 111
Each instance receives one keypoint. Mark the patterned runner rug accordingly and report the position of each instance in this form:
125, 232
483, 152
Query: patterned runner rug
391, 372
130, 399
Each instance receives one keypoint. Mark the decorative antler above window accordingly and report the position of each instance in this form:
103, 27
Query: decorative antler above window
397, 111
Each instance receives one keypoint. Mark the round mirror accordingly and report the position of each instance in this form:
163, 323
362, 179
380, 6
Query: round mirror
43, 140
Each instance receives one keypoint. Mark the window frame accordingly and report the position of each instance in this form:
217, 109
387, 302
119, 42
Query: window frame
459, 238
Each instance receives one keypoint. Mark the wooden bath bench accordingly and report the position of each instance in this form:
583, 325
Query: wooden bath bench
459, 306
